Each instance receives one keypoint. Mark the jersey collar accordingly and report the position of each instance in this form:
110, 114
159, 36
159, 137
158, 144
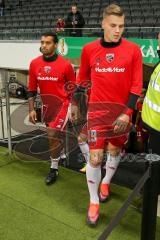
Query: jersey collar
50, 59
109, 44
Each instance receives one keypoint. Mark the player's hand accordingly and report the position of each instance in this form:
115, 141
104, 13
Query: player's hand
74, 113
121, 123
33, 116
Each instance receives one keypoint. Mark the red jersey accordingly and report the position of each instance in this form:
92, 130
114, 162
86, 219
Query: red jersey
114, 71
50, 76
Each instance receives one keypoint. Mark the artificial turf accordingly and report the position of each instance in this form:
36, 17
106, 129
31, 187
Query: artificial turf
30, 210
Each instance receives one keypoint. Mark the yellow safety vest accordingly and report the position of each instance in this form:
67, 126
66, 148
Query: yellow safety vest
151, 104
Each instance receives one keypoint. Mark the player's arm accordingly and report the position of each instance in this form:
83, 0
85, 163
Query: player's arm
69, 73
123, 120
70, 85
80, 96
32, 92
84, 75
137, 79
84, 70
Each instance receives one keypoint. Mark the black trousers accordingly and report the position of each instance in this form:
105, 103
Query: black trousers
154, 146
154, 143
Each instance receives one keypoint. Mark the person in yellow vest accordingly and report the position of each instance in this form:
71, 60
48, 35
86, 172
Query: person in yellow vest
151, 108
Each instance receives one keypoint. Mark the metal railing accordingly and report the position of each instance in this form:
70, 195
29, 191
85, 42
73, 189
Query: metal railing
35, 33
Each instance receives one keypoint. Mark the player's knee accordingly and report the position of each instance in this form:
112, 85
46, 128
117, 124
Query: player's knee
94, 163
113, 150
95, 160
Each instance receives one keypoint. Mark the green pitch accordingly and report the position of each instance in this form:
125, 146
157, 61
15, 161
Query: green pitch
30, 210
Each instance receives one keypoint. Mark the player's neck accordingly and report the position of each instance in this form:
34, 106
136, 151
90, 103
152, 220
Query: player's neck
106, 44
50, 58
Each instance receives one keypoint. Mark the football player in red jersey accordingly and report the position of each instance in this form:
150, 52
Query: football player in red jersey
114, 66
50, 72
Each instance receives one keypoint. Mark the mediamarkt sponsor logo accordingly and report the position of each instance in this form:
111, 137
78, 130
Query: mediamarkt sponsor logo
109, 69
48, 78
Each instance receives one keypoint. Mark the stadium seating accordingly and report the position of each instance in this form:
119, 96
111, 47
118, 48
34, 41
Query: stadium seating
38, 15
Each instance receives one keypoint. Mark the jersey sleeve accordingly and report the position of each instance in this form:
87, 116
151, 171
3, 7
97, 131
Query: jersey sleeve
137, 68
70, 75
32, 84
84, 70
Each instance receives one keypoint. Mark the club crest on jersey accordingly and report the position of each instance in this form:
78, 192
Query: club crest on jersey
109, 57
47, 69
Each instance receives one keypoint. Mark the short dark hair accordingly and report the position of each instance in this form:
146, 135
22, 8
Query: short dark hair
74, 5
51, 34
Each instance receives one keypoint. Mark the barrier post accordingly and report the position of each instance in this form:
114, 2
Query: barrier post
150, 198
2, 120
8, 118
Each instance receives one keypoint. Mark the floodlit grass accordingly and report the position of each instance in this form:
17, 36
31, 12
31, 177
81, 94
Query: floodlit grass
30, 210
